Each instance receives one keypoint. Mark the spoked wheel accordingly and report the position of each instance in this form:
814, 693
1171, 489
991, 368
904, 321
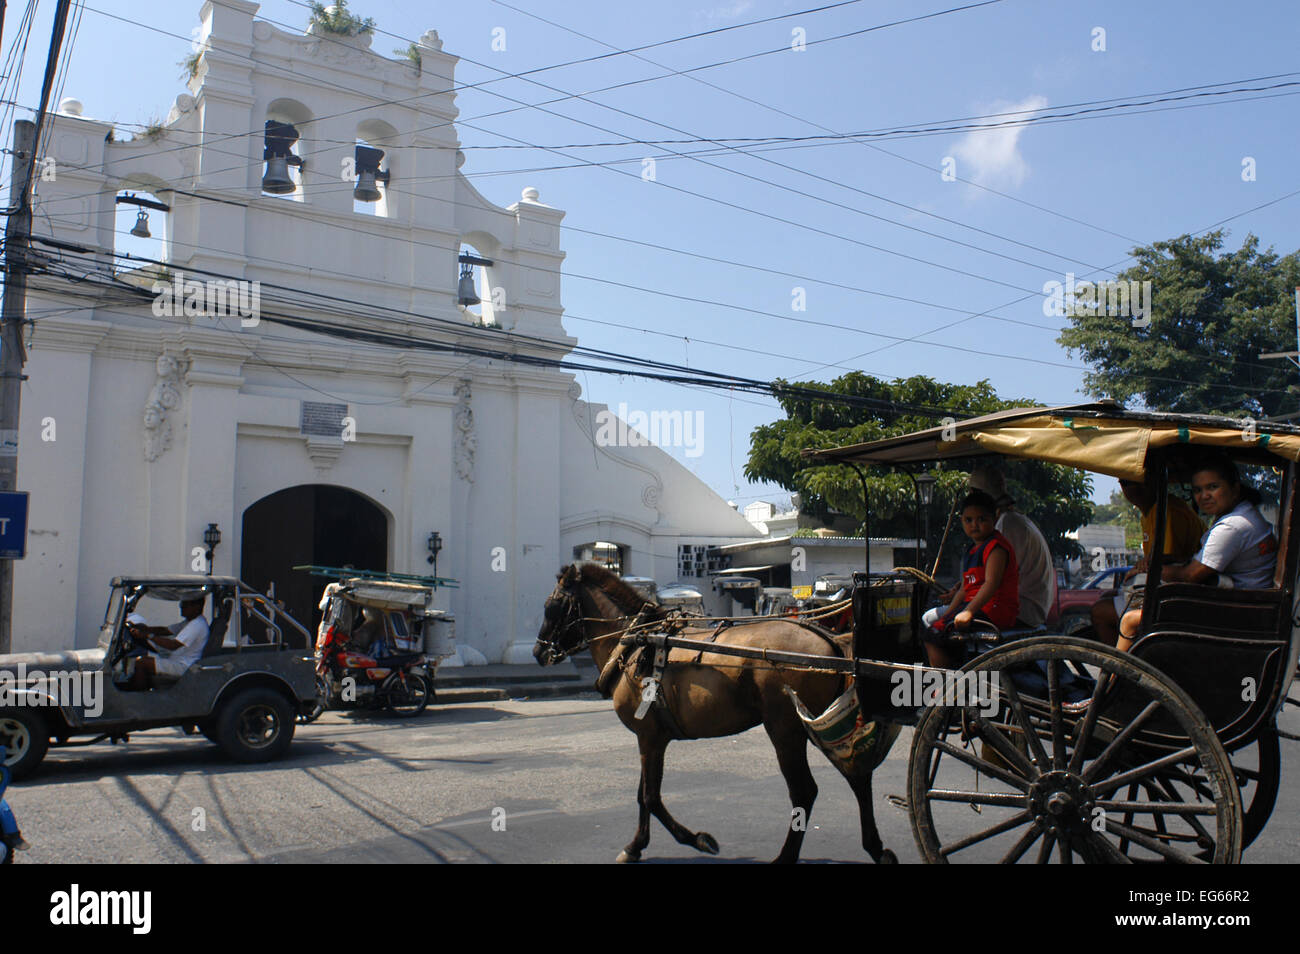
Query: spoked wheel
1258, 769
1038, 763
407, 696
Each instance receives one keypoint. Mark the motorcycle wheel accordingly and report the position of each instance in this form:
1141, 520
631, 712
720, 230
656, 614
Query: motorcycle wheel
312, 714
407, 699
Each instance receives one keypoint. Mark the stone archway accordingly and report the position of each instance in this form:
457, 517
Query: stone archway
311, 523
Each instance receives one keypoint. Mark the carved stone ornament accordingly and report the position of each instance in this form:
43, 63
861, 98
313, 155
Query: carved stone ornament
466, 441
163, 399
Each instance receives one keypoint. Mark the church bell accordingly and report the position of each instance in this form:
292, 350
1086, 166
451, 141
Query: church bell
368, 173
141, 227
466, 294
277, 181
278, 153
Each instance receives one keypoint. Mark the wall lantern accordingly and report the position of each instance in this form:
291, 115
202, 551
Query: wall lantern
211, 537
435, 546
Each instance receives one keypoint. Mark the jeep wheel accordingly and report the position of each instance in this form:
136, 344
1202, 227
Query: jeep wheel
256, 725
25, 739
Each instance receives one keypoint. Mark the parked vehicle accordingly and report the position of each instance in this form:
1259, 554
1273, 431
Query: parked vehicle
647, 587
776, 601
682, 596
1072, 610
378, 646
255, 675
827, 590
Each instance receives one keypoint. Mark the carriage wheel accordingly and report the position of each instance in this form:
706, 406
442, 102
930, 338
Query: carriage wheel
1120, 770
1258, 770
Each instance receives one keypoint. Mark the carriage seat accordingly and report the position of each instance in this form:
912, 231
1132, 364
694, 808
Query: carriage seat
1218, 611
1217, 644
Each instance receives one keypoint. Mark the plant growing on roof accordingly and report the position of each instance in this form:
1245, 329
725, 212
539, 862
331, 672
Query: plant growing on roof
412, 53
337, 19
190, 65
153, 130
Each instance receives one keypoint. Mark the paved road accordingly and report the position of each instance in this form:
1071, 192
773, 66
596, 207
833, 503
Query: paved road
561, 775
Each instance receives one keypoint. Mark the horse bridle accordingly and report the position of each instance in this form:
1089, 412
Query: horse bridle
572, 618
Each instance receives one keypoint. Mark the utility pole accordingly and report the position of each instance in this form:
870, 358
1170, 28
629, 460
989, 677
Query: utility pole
12, 353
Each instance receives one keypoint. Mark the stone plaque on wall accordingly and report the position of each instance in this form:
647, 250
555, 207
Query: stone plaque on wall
321, 419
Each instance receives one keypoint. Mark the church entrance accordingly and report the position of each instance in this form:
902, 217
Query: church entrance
313, 523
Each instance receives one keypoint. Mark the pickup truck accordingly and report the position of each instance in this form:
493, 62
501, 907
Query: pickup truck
1073, 607
256, 674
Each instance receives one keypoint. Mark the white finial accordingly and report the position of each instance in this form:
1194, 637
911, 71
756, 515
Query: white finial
70, 106
431, 40
530, 194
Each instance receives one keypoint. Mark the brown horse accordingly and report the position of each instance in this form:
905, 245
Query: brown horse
708, 696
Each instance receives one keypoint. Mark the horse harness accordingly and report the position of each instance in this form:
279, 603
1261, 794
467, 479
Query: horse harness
646, 668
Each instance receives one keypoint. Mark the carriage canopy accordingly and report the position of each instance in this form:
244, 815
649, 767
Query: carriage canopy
1102, 437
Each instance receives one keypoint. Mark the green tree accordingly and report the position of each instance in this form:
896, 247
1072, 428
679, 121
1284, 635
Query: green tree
1212, 315
1056, 498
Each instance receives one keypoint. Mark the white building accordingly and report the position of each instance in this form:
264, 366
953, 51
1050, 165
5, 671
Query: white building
769, 521
301, 447
1104, 545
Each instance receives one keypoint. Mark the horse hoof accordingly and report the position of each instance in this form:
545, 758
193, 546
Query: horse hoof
704, 842
626, 857
887, 857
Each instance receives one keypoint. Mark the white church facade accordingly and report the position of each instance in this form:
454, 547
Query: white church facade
140, 430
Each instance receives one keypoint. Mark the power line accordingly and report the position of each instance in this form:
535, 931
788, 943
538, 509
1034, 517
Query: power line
364, 310
799, 192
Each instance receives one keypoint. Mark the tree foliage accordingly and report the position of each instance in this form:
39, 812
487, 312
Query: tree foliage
1056, 498
1118, 512
338, 19
1212, 315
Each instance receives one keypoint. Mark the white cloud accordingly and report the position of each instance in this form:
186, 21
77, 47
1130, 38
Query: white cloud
728, 11
992, 158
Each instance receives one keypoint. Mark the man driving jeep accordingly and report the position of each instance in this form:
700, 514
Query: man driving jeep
173, 649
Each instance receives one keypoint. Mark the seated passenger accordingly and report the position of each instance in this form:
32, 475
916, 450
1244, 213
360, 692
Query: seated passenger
1036, 576
173, 648
990, 583
1183, 532
1239, 546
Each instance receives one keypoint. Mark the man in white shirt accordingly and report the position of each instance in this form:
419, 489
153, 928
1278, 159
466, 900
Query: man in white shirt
1037, 573
178, 646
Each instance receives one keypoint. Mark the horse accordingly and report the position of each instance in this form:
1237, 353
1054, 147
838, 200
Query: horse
707, 695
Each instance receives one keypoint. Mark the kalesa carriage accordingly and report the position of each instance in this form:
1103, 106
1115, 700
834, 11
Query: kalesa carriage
1052, 748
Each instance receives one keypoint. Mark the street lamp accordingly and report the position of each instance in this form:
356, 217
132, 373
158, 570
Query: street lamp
211, 537
923, 487
925, 482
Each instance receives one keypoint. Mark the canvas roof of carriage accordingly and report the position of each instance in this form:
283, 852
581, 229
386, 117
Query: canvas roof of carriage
1102, 437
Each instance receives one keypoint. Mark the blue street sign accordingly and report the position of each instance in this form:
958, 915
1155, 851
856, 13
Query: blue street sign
13, 525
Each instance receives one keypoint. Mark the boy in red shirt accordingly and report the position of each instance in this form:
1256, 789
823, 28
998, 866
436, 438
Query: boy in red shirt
990, 588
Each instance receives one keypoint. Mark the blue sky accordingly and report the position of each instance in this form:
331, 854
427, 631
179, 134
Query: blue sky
1100, 186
